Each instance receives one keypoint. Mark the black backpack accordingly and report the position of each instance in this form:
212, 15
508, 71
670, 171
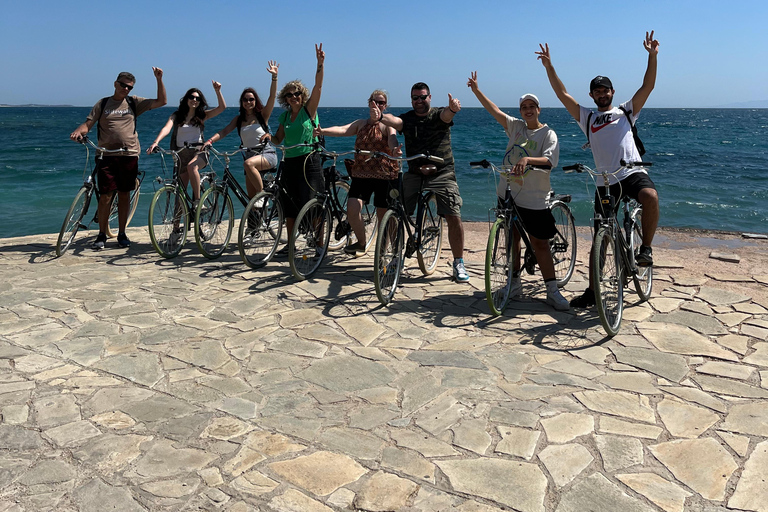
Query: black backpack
131, 105
638, 143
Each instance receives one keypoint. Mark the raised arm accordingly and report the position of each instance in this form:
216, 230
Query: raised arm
454, 105
314, 96
161, 97
649, 80
221, 103
266, 112
164, 131
490, 106
570, 104
387, 119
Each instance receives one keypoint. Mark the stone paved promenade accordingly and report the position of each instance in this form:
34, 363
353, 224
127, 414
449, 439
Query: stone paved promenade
132, 383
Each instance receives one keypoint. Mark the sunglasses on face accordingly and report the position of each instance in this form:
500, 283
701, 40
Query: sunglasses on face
124, 85
421, 97
248, 100
296, 94
380, 103
193, 98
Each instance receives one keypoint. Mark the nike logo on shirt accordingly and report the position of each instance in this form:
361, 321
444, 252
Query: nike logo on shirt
596, 129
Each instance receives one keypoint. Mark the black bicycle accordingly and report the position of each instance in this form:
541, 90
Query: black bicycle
499, 270
73, 221
425, 233
614, 252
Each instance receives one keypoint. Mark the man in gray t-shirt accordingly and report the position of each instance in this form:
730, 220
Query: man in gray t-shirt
116, 117
610, 135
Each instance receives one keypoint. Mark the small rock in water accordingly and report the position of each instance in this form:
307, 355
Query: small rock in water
733, 258
754, 236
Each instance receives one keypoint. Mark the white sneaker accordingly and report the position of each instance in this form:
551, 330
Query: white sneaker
459, 272
515, 287
557, 301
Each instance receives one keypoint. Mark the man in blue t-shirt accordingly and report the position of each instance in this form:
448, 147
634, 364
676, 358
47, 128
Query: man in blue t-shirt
610, 136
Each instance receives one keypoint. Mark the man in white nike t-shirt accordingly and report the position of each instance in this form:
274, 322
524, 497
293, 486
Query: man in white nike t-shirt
610, 136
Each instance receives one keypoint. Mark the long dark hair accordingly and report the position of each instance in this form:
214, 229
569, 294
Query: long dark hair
198, 119
257, 109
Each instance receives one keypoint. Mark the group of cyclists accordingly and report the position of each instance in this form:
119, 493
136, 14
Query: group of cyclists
531, 152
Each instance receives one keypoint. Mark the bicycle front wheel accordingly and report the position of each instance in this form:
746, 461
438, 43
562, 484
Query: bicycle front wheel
341, 233
72, 221
563, 245
168, 221
388, 256
113, 225
214, 220
431, 235
608, 280
260, 229
498, 271
308, 244
643, 278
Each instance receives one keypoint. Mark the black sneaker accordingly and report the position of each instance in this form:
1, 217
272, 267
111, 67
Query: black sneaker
585, 300
644, 257
282, 253
122, 240
101, 239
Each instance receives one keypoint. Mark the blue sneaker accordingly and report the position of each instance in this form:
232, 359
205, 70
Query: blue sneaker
122, 241
459, 271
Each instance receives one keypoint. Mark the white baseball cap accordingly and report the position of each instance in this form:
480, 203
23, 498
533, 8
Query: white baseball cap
529, 96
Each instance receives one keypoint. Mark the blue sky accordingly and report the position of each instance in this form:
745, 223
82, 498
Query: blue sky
712, 53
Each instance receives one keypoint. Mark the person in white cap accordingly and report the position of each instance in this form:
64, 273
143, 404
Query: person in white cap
610, 135
531, 147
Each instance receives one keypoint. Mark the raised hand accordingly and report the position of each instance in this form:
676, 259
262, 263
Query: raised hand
543, 55
454, 104
472, 81
157, 72
374, 111
272, 67
320, 55
216, 85
651, 44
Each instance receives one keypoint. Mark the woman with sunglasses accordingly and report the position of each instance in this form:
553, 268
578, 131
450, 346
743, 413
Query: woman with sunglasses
302, 167
253, 128
369, 176
186, 126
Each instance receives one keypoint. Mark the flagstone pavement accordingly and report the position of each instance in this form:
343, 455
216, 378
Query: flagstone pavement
131, 383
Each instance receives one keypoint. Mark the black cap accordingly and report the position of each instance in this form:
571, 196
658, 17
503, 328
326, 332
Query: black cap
600, 81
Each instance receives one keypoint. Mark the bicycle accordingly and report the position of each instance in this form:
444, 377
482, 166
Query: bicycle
311, 237
499, 273
171, 211
614, 251
73, 221
425, 233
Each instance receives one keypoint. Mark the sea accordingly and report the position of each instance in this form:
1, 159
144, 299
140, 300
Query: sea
710, 166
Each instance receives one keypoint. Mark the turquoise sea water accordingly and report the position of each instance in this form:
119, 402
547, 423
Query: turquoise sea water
710, 165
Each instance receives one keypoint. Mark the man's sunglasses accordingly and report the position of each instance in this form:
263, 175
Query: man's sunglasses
124, 85
421, 97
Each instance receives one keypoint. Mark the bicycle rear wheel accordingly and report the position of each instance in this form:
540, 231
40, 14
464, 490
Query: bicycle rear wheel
168, 221
260, 229
73, 219
431, 235
608, 280
644, 277
214, 220
498, 271
340, 234
113, 226
308, 243
388, 256
563, 245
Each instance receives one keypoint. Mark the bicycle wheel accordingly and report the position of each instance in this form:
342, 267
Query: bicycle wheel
340, 233
260, 229
371, 223
388, 256
113, 226
563, 245
72, 220
643, 278
608, 280
168, 221
214, 220
431, 235
498, 271
309, 240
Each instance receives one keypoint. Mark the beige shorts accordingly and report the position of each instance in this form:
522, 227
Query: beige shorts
442, 184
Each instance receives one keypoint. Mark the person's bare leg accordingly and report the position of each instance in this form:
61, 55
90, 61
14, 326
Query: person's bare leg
354, 209
455, 235
105, 203
649, 199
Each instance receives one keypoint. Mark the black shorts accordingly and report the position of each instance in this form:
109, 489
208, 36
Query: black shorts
538, 223
363, 188
117, 173
302, 179
186, 155
628, 187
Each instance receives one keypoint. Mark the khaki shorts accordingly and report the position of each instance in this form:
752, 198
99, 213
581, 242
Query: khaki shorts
442, 184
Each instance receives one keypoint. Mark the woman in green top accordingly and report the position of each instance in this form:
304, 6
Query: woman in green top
302, 169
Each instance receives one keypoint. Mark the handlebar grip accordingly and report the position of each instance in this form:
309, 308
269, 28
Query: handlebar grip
481, 163
435, 159
363, 152
635, 164
574, 167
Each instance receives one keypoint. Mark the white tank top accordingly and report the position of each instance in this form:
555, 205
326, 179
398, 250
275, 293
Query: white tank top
189, 134
251, 135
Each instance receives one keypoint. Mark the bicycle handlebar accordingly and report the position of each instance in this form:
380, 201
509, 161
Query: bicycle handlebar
86, 141
486, 164
374, 154
624, 164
